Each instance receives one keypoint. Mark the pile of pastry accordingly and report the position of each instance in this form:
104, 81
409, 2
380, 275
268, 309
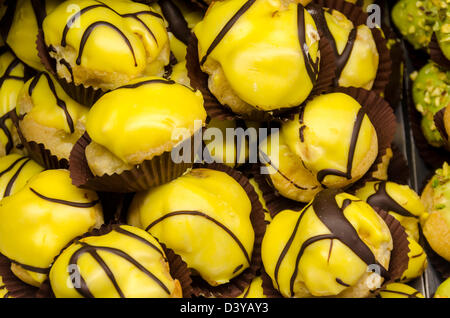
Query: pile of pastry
233, 148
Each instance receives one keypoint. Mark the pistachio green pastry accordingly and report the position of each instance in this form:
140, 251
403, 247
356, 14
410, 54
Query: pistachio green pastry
431, 93
416, 20
443, 33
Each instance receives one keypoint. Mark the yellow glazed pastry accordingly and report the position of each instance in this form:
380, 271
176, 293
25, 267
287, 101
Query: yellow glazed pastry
354, 47
179, 74
13, 77
41, 218
256, 53
328, 249
139, 121
398, 290
22, 34
399, 200
105, 45
204, 216
417, 261
4, 293
15, 171
181, 16
286, 172
436, 198
334, 138
443, 290
49, 116
125, 262
254, 290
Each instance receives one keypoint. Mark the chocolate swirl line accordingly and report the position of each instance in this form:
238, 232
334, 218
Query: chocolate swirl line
413, 295
340, 282
227, 28
351, 153
10, 143
318, 15
139, 238
152, 81
209, 218
311, 68
11, 166
59, 101
327, 210
90, 28
68, 203
384, 201
177, 24
83, 289
14, 178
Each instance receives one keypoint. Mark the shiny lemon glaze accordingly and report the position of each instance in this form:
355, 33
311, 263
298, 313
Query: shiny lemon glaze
45, 109
405, 197
443, 290
362, 65
34, 230
261, 55
106, 50
255, 290
23, 32
417, 262
179, 74
318, 269
399, 290
326, 146
15, 171
131, 281
150, 118
191, 16
203, 245
9, 89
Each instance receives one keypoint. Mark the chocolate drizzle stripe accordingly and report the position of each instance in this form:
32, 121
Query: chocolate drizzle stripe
383, 200
340, 282
7, 75
329, 213
39, 11
153, 81
140, 239
330, 250
69, 68
91, 28
59, 101
288, 244
11, 166
227, 28
417, 255
197, 213
68, 203
413, 295
14, 178
39, 270
134, 16
83, 289
351, 152
177, 24
10, 143
305, 244
311, 68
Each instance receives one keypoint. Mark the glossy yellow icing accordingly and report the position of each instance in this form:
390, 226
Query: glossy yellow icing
329, 121
318, 269
106, 50
443, 290
399, 290
287, 173
255, 289
267, 217
3, 290
38, 229
261, 55
417, 261
13, 164
406, 198
179, 74
203, 245
148, 119
133, 282
23, 32
44, 108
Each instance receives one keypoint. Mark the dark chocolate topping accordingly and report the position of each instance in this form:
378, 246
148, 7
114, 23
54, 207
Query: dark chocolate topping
318, 15
311, 67
152, 81
39, 11
413, 295
384, 201
340, 282
227, 28
11, 166
177, 24
139, 238
327, 210
10, 143
83, 289
69, 203
197, 213
59, 101
14, 178
351, 152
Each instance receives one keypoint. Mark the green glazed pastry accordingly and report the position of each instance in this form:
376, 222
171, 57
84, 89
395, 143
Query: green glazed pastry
416, 20
431, 93
443, 33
